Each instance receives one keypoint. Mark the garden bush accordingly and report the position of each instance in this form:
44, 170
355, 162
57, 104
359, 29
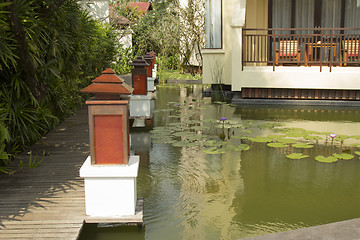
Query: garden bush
49, 50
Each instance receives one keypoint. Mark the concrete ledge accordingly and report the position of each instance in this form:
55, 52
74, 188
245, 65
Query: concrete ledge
184, 81
110, 170
290, 102
345, 230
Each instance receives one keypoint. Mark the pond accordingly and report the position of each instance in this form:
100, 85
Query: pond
211, 170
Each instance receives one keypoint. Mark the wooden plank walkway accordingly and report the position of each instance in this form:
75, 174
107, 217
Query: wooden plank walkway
47, 202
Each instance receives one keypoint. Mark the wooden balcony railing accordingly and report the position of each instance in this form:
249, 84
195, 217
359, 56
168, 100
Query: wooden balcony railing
301, 47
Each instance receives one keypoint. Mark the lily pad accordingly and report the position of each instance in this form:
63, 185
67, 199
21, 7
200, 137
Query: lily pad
271, 125
210, 120
226, 126
297, 156
341, 138
239, 125
214, 150
344, 156
260, 139
310, 132
276, 136
159, 136
324, 159
295, 134
277, 145
357, 153
232, 122
195, 137
164, 141
182, 134
184, 144
299, 130
302, 145
286, 140
239, 137
214, 143
199, 128
312, 137
174, 116
357, 137
237, 148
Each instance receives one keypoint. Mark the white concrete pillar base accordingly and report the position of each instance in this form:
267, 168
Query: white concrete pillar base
140, 105
110, 190
150, 84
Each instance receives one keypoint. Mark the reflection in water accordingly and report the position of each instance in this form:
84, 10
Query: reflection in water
192, 195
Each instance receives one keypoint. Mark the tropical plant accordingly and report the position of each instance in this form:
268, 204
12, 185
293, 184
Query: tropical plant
49, 50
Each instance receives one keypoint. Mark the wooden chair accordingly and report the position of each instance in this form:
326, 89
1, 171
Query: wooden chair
350, 52
288, 52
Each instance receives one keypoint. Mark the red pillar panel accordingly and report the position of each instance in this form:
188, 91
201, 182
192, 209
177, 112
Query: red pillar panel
108, 139
140, 84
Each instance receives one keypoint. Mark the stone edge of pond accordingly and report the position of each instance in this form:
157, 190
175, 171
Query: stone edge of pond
290, 102
184, 81
344, 230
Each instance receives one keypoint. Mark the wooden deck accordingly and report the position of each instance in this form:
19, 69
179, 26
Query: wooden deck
48, 202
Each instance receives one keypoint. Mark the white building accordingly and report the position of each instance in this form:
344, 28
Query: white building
306, 49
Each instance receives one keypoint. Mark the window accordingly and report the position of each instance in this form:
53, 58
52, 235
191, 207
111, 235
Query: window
352, 15
213, 24
307, 13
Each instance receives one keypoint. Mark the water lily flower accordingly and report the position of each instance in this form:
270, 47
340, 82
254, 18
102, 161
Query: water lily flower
332, 135
223, 119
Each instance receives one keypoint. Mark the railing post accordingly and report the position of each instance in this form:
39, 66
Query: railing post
321, 47
274, 50
331, 52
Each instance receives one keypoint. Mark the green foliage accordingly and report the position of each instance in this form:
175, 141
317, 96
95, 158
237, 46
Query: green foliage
174, 31
33, 162
123, 57
48, 52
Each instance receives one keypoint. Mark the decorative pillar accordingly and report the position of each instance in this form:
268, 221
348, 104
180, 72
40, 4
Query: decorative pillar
150, 80
139, 76
109, 172
149, 60
140, 100
154, 67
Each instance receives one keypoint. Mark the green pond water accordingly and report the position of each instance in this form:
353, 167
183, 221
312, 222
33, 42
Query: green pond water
261, 170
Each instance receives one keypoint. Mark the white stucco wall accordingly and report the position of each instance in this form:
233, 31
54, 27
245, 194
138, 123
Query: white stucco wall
345, 78
98, 9
124, 38
214, 59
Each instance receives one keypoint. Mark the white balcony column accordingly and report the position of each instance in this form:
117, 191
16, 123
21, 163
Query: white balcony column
238, 22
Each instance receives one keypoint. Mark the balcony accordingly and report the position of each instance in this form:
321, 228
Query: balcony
332, 47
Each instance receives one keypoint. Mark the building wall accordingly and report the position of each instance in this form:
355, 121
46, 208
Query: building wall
254, 14
124, 38
98, 9
344, 78
219, 60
